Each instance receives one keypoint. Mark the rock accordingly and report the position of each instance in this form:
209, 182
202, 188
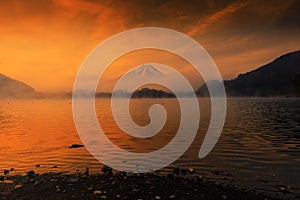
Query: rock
97, 192
265, 180
12, 169
198, 179
8, 181
55, 166
183, 171
157, 197
73, 146
284, 190
86, 171
37, 165
191, 170
176, 171
1, 178
31, 180
228, 174
216, 172
172, 196
17, 186
30, 173
170, 176
103, 197
107, 170
6, 172
224, 197
53, 180
71, 180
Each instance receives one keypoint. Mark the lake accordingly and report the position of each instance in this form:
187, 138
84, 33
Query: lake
259, 147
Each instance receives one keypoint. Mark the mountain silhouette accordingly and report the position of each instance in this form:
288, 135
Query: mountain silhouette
280, 77
10, 88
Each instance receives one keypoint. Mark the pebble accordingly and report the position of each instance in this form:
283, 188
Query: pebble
172, 196
183, 171
75, 146
191, 170
176, 171
97, 192
284, 190
30, 173
106, 169
53, 180
157, 197
170, 176
55, 166
224, 196
12, 169
265, 180
87, 170
103, 197
71, 180
6, 171
1, 178
37, 165
8, 181
216, 172
17, 186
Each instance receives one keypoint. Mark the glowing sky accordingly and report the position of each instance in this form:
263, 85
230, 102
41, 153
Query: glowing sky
43, 42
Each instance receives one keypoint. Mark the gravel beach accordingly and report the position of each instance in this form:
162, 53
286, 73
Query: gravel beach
107, 185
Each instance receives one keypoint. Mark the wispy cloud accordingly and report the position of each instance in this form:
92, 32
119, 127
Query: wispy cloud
204, 23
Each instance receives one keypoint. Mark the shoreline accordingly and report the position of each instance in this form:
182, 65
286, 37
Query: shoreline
118, 186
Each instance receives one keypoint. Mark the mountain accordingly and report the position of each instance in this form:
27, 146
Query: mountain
10, 88
143, 72
280, 77
147, 73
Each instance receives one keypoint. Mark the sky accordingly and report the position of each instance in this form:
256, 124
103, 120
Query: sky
44, 42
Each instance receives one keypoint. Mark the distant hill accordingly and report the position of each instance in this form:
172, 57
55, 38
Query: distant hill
141, 93
151, 93
281, 77
10, 88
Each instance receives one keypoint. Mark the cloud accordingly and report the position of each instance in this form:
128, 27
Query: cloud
44, 39
204, 23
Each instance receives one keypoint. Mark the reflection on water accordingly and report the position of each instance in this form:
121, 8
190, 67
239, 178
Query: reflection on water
259, 146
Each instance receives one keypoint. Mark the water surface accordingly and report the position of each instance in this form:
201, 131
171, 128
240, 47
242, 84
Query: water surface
258, 148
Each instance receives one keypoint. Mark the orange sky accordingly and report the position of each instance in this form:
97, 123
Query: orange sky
44, 42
